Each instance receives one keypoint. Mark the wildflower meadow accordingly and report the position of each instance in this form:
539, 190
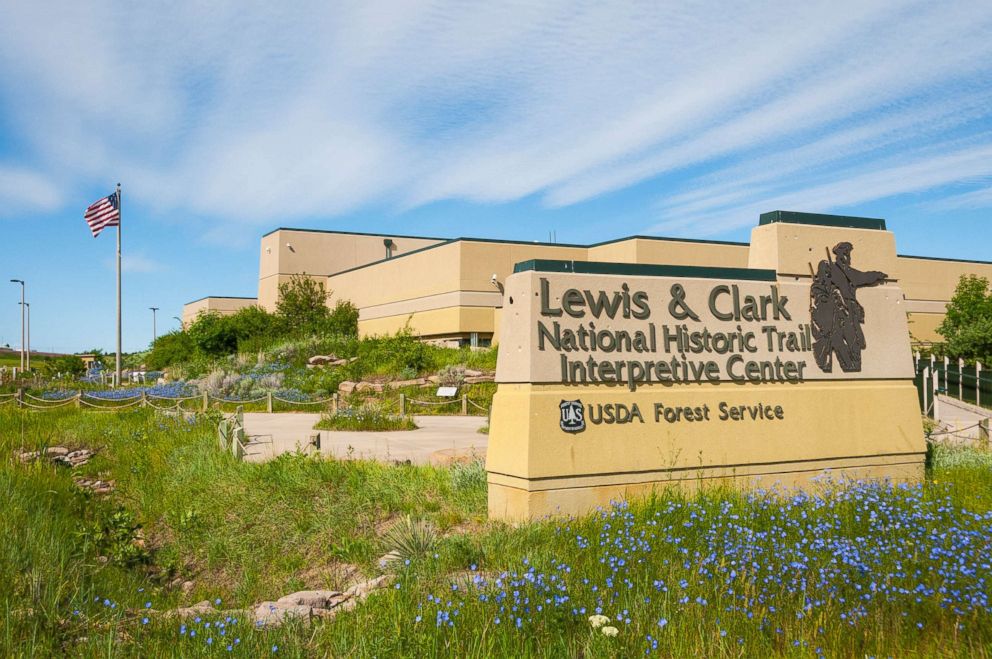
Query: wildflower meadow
845, 569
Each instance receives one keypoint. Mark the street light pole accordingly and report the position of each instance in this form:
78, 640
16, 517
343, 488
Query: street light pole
182, 325
154, 330
21, 282
27, 305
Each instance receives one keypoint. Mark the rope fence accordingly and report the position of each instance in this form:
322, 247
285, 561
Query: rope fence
464, 400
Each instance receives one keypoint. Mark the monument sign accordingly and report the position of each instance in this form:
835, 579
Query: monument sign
616, 379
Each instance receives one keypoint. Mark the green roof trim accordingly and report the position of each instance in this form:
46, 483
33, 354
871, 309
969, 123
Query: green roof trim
822, 220
643, 270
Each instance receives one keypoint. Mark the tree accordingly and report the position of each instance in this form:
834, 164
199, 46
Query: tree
343, 320
967, 326
213, 334
170, 348
302, 306
65, 365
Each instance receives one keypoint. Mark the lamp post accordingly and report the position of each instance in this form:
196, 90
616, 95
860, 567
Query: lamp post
27, 305
182, 325
154, 330
21, 282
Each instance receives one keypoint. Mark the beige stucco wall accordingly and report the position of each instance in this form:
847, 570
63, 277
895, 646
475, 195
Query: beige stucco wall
221, 305
935, 279
676, 252
286, 252
457, 274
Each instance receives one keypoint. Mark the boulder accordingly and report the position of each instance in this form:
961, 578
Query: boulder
322, 360
416, 382
274, 613
56, 450
362, 590
198, 609
369, 386
347, 387
476, 379
317, 599
472, 373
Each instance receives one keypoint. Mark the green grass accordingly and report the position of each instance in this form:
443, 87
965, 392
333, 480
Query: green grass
249, 532
371, 418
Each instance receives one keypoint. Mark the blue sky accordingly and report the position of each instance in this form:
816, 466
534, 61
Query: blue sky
486, 119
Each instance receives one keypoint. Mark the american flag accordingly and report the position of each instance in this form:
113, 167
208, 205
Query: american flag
105, 212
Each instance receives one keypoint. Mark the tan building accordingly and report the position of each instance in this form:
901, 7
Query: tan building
449, 289
217, 304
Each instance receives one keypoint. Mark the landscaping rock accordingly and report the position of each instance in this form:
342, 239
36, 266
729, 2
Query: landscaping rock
74, 458
370, 386
472, 373
362, 590
389, 557
322, 360
347, 387
198, 609
274, 613
416, 382
317, 599
94, 485
476, 379
59, 455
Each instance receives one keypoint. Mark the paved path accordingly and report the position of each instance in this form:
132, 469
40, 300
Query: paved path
959, 419
434, 441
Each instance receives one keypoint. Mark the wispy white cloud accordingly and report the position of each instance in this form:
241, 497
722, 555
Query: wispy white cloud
137, 262
26, 191
259, 113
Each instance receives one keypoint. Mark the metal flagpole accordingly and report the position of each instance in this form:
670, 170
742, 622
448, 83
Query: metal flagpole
120, 225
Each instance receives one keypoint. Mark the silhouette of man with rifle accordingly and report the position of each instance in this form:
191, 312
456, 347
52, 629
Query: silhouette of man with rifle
836, 314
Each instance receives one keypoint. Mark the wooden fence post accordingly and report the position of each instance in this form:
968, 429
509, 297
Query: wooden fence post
144, 399
334, 403
402, 404
464, 404
978, 383
79, 399
960, 378
936, 397
947, 372
268, 402
20, 396
206, 401
983, 432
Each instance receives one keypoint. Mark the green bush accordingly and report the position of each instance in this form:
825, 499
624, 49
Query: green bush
66, 365
172, 348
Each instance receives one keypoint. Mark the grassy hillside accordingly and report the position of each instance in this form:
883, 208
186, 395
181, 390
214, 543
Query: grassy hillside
855, 570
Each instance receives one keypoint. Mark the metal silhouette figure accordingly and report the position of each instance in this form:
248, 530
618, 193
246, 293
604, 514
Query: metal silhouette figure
836, 315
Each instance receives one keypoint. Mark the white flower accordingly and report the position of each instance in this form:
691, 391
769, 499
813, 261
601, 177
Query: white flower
598, 621
610, 631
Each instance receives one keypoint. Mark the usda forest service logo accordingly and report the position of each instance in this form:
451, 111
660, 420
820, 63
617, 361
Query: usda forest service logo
572, 418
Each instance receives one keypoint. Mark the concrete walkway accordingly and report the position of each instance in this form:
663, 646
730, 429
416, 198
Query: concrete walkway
436, 440
958, 419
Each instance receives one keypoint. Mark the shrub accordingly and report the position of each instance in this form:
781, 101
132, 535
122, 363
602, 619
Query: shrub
171, 348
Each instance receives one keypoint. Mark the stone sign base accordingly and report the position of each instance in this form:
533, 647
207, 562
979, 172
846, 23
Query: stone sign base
691, 436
